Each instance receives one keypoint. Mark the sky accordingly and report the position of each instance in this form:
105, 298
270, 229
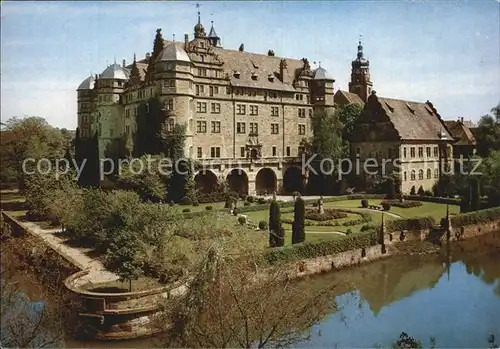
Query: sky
443, 51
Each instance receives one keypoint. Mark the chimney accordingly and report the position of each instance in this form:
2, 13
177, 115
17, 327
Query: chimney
186, 39
124, 63
270, 53
148, 55
462, 119
283, 68
242, 48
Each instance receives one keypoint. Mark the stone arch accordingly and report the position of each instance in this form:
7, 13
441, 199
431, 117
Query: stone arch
266, 181
293, 180
237, 180
205, 181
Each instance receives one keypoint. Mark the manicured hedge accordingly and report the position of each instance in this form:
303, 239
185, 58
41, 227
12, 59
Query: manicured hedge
438, 200
323, 248
476, 217
404, 204
410, 224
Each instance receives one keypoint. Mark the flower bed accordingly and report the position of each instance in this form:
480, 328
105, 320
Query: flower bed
328, 215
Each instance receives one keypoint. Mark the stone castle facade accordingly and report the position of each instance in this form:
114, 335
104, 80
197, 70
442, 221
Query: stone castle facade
246, 114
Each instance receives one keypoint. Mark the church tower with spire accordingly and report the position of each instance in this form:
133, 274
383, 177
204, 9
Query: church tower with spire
360, 75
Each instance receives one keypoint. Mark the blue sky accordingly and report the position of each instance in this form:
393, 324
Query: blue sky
447, 52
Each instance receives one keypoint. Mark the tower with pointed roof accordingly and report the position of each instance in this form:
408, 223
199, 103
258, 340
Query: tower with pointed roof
213, 37
360, 83
199, 30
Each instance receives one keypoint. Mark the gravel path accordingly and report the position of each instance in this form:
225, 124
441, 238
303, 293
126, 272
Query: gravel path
97, 274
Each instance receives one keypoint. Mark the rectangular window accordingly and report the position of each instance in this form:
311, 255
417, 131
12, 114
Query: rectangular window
254, 128
428, 151
287, 151
436, 152
170, 104
420, 152
215, 126
201, 107
215, 108
274, 151
254, 110
302, 129
240, 109
310, 113
240, 127
202, 71
275, 111
211, 91
170, 125
215, 152
228, 90
412, 152
201, 126
242, 152
199, 152
404, 152
127, 129
302, 113
275, 129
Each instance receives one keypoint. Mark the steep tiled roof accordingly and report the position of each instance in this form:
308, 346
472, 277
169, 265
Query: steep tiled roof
413, 120
460, 132
342, 96
262, 66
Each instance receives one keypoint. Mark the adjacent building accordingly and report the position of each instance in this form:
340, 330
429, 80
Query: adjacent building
401, 137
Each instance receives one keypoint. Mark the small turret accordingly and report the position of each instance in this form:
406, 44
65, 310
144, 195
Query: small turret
213, 37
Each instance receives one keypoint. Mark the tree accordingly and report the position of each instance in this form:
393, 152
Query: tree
435, 190
298, 228
149, 123
488, 133
327, 143
274, 223
412, 190
490, 179
421, 191
87, 152
474, 194
24, 138
348, 115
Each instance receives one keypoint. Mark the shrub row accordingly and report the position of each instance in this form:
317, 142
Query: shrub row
438, 200
323, 248
404, 204
476, 217
410, 224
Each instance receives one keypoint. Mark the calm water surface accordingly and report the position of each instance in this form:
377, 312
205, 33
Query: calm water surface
453, 297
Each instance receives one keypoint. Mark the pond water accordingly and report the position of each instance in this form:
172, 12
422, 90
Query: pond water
453, 297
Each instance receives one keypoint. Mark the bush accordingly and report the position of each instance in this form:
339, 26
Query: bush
404, 204
243, 197
435, 190
186, 201
196, 203
298, 231
236, 211
318, 249
421, 191
263, 225
410, 224
348, 232
438, 200
428, 193
186, 210
367, 227
242, 220
296, 194
386, 206
327, 216
250, 198
274, 224
232, 194
172, 203
208, 208
364, 203
476, 217
246, 203
413, 191
261, 201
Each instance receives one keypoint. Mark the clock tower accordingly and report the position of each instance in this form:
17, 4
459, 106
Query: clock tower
360, 75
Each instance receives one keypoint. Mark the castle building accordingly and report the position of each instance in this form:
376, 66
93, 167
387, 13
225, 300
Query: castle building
404, 138
246, 114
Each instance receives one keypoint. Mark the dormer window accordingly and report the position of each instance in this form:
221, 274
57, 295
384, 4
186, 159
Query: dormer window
202, 45
390, 107
254, 76
270, 77
236, 74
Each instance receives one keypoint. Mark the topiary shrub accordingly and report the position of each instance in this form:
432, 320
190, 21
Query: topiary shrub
232, 194
367, 227
298, 228
274, 223
364, 203
261, 200
386, 206
296, 194
171, 203
243, 197
246, 203
413, 191
186, 210
208, 208
435, 190
280, 237
421, 191
329, 214
236, 211
263, 225
242, 220
428, 193
250, 198
186, 201
404, 204
348, 232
